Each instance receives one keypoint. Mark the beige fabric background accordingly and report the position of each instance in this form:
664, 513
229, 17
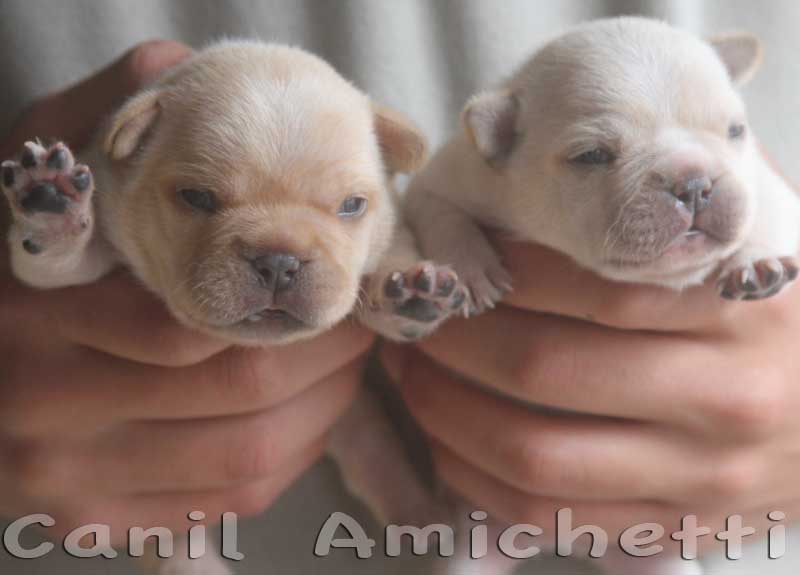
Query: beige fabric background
422, 56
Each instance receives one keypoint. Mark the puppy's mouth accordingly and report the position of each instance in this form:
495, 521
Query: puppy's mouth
694, 246
262, 324
270, 317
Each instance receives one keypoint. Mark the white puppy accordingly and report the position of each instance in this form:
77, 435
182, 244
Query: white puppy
625, 145
250, 190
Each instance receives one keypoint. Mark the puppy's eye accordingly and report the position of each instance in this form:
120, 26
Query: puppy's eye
352, 206
596, 157
736, 131
202, 200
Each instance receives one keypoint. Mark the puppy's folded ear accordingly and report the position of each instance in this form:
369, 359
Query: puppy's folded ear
403, 146
741, 53
130, 124
490, 119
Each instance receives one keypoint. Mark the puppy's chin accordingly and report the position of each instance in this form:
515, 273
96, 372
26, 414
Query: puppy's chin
687, 261
266, 330
261, 328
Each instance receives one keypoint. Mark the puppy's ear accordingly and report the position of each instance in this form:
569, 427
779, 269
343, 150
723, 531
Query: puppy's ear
403, 146
130, 124
490, 119
741, 53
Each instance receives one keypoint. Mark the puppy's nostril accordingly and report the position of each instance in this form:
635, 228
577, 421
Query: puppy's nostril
694, 193
277, 270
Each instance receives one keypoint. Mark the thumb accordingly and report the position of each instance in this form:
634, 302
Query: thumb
74, 113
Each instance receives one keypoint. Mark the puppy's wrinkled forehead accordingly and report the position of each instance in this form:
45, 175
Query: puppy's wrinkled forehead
269, 113
637, 72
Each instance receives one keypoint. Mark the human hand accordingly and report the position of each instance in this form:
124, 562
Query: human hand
111, 412
669, 403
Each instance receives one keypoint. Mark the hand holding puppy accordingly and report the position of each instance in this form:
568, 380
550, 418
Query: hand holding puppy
673, 403
112, 412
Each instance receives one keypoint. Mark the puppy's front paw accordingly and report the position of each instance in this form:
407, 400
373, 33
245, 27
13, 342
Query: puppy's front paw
418, 299
757, 279
49, 195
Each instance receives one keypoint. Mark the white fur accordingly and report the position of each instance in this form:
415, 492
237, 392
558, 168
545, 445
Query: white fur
663, 101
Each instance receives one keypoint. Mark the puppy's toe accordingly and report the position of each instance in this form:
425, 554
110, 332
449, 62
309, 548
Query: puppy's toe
486, 288
759, 279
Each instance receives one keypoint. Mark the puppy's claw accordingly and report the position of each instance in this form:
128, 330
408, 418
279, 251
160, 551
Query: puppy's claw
758, 280
486, 288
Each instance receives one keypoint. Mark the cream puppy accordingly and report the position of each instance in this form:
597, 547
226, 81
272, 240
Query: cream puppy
625, 145
249, 189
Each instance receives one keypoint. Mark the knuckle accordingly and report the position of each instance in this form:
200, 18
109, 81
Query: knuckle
252, 459
733, 478
246, 373
173, 346
26, 411
543, 363
146, 60
626, 308
37, 471
754, 409
543, 470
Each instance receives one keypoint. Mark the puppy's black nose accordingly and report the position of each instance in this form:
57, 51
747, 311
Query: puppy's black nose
694, 193
277, 271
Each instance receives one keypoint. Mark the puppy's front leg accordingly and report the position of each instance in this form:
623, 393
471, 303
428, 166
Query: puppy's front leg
768, 260
448, 234
407, 297
53, 222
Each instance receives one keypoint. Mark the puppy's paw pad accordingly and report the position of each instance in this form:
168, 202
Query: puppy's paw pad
759, 279
48, 193
424, 293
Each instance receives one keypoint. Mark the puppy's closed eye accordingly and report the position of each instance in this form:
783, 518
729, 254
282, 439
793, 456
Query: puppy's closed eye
736, 131
595, 157
202, 200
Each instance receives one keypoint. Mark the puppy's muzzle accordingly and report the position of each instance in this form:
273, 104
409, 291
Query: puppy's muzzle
276, 271
694, 193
